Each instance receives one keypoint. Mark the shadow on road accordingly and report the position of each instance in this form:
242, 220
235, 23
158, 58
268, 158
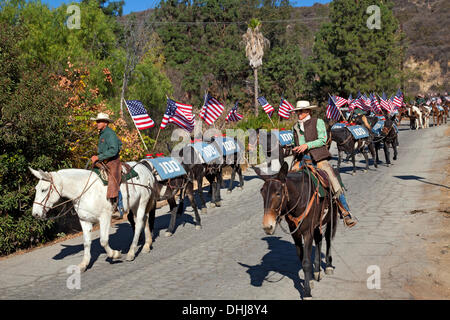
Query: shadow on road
282, 261
420, 179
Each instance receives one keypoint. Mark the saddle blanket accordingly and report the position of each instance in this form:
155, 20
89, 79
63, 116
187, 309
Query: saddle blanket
103, 175
206, 151
379, 125
227, 145
358, 132
440, 108
286, 138
165, 168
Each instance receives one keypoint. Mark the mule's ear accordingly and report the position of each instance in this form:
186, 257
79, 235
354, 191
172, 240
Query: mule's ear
35, 173
283, 172
45, 175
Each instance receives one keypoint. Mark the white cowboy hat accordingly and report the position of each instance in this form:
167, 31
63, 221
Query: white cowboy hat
102, 117
303, 105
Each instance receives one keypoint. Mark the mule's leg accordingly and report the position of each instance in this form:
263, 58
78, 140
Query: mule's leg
328, 258
218, 199
190, 194
394, 146
307, 266
130, 217
318, 252
354, 164
150, 210
339, 160
200, 193
140, 215
241, 179
386, 153
87, 227
372, 152
233, 176
174, 212
105, 224
366, 157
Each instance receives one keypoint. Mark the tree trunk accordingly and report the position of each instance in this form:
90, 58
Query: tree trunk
122, 93
255, 72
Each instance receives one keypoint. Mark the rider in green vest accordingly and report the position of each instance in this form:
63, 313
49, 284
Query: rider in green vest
310, 137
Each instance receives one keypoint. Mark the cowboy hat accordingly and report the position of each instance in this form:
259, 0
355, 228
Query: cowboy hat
303, 105
102, 117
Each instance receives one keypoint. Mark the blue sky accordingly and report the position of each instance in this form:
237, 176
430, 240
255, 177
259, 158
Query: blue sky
139, 5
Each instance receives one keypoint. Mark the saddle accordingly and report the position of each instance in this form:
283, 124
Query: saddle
127, 173
318, 176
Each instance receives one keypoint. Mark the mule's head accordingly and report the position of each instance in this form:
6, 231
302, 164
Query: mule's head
46, 194
274, 196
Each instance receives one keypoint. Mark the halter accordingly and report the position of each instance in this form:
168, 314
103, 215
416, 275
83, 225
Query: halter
44, 203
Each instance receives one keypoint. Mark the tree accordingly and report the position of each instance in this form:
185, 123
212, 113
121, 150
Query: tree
350, 56
255, 43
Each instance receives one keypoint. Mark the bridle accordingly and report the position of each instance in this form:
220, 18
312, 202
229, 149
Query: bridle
47, 197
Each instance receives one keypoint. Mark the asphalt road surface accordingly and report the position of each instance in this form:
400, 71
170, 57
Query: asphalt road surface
232, 258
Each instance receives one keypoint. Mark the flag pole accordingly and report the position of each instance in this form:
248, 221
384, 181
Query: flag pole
136, 126
157, 135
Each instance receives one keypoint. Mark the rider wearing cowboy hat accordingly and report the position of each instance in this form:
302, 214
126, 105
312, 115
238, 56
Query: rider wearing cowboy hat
310, 137
109, 146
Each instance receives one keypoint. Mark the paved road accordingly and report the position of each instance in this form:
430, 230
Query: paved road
232, 258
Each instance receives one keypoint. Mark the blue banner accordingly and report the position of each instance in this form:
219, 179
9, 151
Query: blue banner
227, 145
358, 132
208, 152
167, 167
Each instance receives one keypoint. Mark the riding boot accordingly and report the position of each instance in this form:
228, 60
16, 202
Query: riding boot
348, 220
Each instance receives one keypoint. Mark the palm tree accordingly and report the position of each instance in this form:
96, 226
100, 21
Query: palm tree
255, 43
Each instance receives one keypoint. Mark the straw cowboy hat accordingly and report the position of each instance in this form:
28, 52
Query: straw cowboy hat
102, 117
303, 105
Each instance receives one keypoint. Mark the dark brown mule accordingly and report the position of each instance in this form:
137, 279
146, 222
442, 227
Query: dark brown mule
294, 197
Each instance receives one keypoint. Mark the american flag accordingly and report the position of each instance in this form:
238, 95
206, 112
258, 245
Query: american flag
364, 102
266, 106
233, 115
179, 114
212, 110
351, 102
339, 101
385, 103
333, 110
285, 108
374, 104
398, 99
139, 115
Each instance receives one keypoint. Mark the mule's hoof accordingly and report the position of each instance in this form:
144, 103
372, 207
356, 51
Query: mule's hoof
168, 234
308, 298
388, 164
198, 227
218, 204
365, 170
130, 257
116, 254
318, 276
228, 191
241, 188
204, 211
146, 249
212, 205
329, 271
82, 267
353, 173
